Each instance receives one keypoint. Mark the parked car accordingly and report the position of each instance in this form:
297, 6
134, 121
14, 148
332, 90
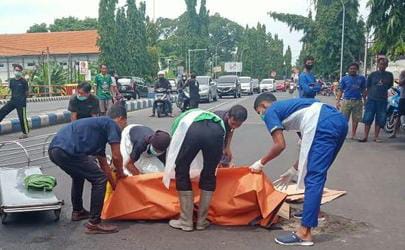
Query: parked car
246, 85
280, 86
255, 83
173, 84
267, 85
228, 86
208, 88
132, 87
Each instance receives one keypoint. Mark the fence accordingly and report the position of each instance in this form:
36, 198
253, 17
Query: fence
43, 90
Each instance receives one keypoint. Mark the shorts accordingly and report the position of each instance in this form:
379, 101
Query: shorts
105, 105
375, 109
354, 108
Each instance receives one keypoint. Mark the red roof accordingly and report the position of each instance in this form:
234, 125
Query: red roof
69, 42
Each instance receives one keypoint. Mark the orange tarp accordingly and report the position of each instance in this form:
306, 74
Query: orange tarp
241, 198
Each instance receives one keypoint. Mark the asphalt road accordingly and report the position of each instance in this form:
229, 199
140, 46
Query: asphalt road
37, 108
370, 216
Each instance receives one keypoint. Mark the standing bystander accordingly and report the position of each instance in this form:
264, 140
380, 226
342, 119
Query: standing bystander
19, 93
352, 87
378, 84
105, 89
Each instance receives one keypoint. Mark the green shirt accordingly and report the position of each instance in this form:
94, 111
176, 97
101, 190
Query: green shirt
206, 115
103, 84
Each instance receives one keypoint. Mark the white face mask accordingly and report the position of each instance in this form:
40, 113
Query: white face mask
153, 151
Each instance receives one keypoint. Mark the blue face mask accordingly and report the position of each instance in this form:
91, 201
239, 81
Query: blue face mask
81, 98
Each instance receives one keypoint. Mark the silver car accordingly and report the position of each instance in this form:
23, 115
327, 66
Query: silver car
246, 85
208, 89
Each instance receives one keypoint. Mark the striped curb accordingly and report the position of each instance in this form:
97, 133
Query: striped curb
55, 118
42, 99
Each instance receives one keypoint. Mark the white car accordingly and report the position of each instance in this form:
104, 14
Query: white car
268, 85
246, 85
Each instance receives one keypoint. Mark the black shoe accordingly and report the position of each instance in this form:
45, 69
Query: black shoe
152, 115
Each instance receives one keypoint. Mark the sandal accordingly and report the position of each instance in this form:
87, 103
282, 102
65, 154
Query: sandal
292, 239
362, 140
378, 140
100, 228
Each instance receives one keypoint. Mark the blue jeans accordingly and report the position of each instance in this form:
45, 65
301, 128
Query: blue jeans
375, 109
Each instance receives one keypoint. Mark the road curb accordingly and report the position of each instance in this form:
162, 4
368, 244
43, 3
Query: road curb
55, 118
42, 99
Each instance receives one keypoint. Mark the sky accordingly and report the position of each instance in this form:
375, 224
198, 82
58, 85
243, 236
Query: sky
16, 16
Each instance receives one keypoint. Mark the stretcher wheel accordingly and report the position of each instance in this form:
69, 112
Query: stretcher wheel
57, 214
3, 218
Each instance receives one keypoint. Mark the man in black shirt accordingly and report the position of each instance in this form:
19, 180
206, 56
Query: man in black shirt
378, 84
233, 119
83, 104
194, 87
138, 142
18, 101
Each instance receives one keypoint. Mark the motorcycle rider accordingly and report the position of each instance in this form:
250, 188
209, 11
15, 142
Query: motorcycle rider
183, 98
194, 87
162, 82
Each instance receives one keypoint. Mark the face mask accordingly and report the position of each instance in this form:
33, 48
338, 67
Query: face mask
18, 74
152, 151
308, 67
81, 98
262, 117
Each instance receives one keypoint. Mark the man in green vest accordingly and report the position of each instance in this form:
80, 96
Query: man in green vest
105, 88
194, 131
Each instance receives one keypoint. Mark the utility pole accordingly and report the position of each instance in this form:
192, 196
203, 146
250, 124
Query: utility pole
49, 71
365, 56
343, 39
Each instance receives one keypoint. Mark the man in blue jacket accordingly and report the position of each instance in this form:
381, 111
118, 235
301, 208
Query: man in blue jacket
307, 84
323, 131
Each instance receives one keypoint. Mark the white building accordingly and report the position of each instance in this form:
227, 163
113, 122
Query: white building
66, 48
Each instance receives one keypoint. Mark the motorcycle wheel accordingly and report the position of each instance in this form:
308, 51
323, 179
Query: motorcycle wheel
159, 111
391, 124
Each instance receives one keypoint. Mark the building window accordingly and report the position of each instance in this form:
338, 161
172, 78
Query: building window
63, 63
31, 64
1, 65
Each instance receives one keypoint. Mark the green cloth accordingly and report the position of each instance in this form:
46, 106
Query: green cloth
206, 115
40, 182
103, 84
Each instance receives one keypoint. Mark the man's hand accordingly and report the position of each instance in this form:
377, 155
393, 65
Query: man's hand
256, 167
338, 105
285, 178
228, 154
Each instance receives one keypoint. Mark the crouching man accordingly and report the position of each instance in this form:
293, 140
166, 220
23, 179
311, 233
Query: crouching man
323, 131
73, 148
194, 131
143, 150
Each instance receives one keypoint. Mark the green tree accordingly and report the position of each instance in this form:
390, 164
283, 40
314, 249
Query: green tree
387, 20
38, 28
122, 65
107, 31
287, 62
73, 24
322, 34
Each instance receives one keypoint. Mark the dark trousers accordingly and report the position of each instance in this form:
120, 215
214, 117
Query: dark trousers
80, 168
21, 111
208, 137
194, 101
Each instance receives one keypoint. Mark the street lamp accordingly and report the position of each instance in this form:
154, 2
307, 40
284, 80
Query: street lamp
189, 59
343, 39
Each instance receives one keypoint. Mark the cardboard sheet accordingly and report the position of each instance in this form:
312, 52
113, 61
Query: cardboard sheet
241, 198
297, 195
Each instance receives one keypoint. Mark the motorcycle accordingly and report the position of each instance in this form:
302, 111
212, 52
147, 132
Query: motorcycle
183, 99
291, 88
393, 117
162, 98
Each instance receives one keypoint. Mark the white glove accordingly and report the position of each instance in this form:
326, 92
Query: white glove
286, 178
256, 167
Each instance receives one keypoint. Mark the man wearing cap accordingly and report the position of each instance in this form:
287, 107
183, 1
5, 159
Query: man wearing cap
141, 147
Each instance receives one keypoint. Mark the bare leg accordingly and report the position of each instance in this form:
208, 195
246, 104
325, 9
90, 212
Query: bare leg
354, 129
304, 233
376, 132
366, 132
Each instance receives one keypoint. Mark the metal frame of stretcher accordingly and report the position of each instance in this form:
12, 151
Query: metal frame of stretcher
14, 197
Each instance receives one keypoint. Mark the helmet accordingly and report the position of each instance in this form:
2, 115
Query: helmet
161, 73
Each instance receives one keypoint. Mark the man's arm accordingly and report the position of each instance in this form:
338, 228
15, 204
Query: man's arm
339, 93
117, 159
27, 89
227, 148
107, 170
277, 148
132, 168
